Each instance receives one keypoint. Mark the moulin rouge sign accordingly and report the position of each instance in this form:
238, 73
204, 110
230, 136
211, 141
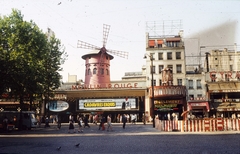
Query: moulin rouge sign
226, 74
107, 86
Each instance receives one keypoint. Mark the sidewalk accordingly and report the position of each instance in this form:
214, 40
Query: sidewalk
131, 129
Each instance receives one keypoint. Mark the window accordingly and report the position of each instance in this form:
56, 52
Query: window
151, 43
178, 55
199, 86
107, 71
190, 82
159, 43
179, 82
231, 67
94, 71
199, 95
152, 55
179, 68
160, 67
160, 82
160, 56
169, 55
101, 71
191, 97
89, 72
154, 82
152, 69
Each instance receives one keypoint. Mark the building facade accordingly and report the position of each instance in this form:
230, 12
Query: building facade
223, 82
165, 65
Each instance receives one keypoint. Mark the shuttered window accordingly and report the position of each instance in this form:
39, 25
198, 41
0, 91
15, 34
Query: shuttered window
151, 43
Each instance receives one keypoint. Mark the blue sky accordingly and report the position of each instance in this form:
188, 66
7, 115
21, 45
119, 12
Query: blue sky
207, 22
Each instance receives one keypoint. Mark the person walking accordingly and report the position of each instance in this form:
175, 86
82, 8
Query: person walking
101, 125
47, 122
80, 122
71, 126
133, 118
59, 122
124, 120
109, 122
85, 120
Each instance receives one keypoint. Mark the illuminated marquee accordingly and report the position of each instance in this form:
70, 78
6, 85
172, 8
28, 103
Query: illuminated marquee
99, 104
107, 104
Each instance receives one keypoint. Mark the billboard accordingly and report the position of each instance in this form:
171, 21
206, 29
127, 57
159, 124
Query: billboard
57, 106
107, 104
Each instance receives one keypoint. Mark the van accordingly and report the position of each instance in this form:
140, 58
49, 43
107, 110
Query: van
13, 117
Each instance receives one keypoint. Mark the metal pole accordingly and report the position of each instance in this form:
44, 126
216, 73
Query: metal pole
153, 112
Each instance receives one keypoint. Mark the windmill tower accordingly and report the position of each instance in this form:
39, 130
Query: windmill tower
97, 62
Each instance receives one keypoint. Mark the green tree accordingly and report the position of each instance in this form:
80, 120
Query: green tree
52, 64
30, 60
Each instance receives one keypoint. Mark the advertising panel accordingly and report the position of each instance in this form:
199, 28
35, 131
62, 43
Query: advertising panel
107, 104
57, 106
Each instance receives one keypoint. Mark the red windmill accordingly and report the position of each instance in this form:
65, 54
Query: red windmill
97, 62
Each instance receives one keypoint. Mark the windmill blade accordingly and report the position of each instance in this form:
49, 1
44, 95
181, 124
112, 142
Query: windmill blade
85, 45
106, 29
122, 54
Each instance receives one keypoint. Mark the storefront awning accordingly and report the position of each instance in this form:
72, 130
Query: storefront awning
226, 106
198, 105
216, 87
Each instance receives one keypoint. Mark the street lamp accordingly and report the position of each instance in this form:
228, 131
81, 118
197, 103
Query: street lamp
152, 85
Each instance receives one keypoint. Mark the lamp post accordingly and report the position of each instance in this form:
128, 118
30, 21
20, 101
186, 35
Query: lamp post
152, 86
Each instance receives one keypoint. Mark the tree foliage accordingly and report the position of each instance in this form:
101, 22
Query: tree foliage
30, 60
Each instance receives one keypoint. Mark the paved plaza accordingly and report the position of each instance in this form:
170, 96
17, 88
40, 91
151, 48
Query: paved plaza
139, 138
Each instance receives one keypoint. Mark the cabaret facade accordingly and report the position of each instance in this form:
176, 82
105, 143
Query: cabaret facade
118, 97
223, 83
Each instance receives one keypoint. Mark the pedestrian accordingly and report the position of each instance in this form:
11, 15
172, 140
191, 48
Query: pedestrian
101, 125
128, 119
95, 119
109, 122
133, 118
71, 126
124, 120
47, 122
80, 122
59, 122
168, 115
85, 120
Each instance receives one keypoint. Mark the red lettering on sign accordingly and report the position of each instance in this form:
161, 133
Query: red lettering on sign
221, 74
211, 75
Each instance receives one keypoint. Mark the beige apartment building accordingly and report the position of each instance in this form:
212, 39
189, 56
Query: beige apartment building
223, 82
165, 63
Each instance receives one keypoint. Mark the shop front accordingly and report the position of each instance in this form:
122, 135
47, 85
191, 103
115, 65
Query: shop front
169, 102
225, 99
198, 109
115, 100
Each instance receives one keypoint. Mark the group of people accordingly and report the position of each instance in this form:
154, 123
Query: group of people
83, 121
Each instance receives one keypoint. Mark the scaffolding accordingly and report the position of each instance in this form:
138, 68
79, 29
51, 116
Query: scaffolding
164, 28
